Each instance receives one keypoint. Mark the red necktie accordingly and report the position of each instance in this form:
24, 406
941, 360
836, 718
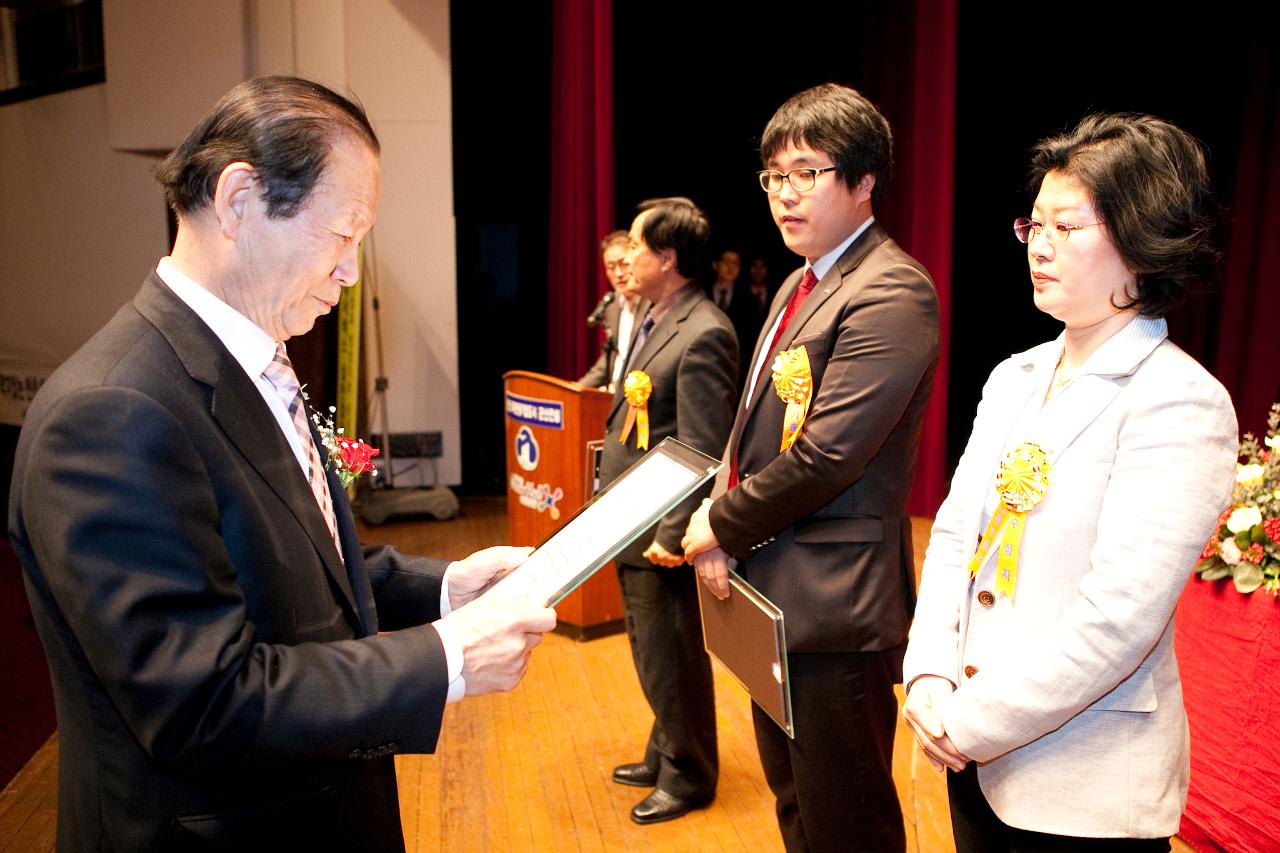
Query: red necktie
793, 305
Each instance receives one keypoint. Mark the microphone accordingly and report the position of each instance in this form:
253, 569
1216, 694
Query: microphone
594, 318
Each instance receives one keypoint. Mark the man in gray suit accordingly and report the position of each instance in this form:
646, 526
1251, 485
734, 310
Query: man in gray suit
681, 374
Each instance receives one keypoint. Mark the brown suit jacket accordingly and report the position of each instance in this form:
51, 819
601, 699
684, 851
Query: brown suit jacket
821, 529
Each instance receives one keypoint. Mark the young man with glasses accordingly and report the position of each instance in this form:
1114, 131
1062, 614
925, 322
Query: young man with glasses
840, 378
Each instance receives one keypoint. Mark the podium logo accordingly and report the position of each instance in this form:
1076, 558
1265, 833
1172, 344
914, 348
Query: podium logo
535, 412
539, 496
526, 449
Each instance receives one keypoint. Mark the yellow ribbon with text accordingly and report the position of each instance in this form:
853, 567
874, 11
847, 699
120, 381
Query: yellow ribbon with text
1021, 481
636, 388
793, 381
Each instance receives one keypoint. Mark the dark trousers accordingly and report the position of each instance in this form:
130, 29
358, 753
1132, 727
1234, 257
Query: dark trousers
834, 782
977, 829
665, 629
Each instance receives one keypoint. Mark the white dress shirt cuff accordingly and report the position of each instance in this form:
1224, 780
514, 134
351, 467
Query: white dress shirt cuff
452, 647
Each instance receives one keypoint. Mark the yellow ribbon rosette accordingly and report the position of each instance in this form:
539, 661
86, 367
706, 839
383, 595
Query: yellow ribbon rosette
1021, 482
793, 381
636, 389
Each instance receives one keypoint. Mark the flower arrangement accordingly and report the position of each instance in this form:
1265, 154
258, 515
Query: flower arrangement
1246, 544
348, 457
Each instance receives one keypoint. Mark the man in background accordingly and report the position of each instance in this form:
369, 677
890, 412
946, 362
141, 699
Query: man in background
231, 669
619, 317
681, 374
727, 267
844, 369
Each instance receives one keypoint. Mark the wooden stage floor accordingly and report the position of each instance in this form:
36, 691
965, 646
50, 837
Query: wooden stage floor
529, 770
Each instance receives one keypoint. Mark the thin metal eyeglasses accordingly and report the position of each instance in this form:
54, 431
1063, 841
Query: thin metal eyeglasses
801, 180
1027, 230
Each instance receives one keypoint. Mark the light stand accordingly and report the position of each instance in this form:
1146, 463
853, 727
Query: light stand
381, 500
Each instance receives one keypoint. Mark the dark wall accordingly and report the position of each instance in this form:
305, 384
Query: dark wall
693, 90
8, 444
501, 156
1013, 93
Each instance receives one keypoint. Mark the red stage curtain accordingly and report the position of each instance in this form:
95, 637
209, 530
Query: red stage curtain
1246, 361
581, 177
932, 216
910, 69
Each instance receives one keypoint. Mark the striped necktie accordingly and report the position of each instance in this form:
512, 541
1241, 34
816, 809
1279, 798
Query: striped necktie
279, 372
645, 328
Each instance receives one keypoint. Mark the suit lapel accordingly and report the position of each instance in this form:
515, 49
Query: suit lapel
1070, 411
357, 587
1017, 395
659, 337
1064, 417
239, 410
838, 279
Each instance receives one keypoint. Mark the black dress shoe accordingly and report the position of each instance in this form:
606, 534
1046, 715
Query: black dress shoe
638, 775
660, 806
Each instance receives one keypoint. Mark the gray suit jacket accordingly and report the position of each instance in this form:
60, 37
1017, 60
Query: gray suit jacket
691, 357
218, 673
1068, 695
821, 529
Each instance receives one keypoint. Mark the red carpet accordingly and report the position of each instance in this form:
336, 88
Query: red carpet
26, 699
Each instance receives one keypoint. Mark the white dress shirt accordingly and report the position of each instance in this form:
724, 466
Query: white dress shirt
626, 323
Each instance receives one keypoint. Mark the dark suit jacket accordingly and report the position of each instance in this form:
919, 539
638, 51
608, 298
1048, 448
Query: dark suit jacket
822, 529
218, 673
691, 357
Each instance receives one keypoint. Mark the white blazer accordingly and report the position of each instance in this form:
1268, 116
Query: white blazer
1073, 707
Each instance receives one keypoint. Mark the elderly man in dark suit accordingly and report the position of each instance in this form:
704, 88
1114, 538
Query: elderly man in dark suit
681, 374
839, 381
211, 621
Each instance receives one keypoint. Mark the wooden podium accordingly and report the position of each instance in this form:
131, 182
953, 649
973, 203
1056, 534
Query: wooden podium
551, 427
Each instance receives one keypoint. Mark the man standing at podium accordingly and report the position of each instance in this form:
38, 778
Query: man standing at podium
619, 315
678, 381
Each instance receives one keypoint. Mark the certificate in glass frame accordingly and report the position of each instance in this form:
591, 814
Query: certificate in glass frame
611, 521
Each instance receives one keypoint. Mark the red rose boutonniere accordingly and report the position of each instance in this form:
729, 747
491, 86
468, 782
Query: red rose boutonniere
348, 457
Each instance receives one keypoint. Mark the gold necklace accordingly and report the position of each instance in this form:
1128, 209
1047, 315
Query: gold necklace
1061, 377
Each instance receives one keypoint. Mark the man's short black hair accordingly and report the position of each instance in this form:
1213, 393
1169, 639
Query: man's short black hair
677, 223
838, 121
284, 127
1147, 180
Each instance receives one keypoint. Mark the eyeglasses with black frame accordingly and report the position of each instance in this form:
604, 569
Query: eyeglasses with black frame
1027, 230
801, 180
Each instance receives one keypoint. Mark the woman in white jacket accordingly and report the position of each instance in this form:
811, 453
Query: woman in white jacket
1040, 669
